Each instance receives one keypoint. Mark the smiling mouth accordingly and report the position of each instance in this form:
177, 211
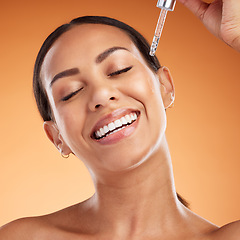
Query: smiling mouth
115, 126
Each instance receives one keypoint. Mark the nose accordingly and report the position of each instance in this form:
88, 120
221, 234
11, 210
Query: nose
102, 96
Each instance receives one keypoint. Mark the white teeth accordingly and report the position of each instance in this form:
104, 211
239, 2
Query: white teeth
105, 129
123, 120
101, 132
98, 133
111, 126
128, 118
116, 124
133, 116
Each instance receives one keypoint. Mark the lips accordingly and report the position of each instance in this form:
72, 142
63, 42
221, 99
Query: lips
114, 122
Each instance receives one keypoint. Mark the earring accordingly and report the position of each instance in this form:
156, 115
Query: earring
171, 105
65, 156
172, 101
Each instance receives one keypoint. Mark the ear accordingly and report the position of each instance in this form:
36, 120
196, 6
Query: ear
55, 137
167, 87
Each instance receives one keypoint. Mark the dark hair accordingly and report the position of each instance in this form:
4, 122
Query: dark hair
139, 41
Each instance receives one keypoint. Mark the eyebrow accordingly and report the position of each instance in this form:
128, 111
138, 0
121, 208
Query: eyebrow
66, 73
102, 56
74, 71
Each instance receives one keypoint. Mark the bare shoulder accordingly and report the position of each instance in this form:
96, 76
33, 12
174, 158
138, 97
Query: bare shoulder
57, 225
20, 229
229, 231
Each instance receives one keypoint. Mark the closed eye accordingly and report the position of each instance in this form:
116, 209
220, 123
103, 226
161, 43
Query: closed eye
120, 71
71, 95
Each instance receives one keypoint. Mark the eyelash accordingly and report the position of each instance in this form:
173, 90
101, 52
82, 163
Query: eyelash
110, 75
71, 95
120, 71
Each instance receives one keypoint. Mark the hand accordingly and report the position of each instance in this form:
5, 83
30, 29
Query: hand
221, 18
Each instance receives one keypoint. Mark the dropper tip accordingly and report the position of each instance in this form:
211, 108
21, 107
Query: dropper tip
154, 45
151, 53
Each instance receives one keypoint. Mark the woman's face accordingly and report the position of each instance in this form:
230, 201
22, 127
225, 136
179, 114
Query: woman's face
97, 81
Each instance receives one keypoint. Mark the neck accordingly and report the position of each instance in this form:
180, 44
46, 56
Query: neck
132, 202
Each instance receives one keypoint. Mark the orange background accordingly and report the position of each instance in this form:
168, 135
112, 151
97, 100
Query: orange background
203, 127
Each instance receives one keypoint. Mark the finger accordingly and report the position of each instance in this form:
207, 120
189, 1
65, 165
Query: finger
198, 7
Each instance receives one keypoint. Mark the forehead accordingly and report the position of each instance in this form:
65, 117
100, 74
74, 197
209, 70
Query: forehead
83, 43
91, 37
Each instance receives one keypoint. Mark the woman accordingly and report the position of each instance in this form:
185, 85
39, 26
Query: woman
103, 98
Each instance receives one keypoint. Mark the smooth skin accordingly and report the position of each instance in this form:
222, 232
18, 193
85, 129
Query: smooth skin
135, 194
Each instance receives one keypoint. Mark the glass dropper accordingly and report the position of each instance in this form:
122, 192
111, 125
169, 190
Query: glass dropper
165, 5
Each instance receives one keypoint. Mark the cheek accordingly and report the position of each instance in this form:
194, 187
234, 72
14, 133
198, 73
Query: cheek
144, 86
149, 89
70, 120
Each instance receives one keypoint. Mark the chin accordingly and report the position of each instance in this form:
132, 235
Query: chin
132, 158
